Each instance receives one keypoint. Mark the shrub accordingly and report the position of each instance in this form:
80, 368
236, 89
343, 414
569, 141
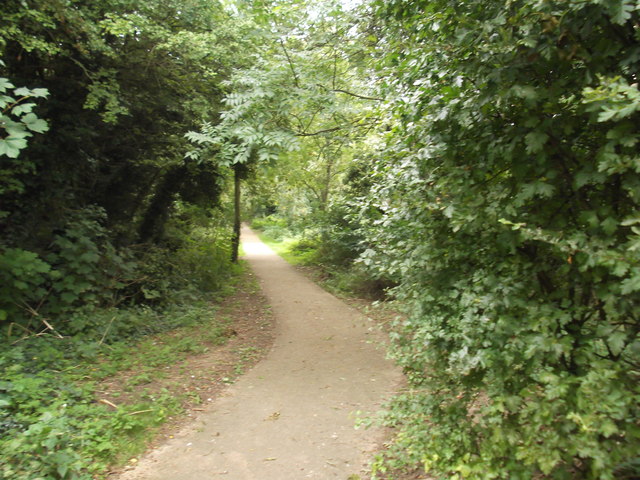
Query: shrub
81, 268
273, 226
508, 208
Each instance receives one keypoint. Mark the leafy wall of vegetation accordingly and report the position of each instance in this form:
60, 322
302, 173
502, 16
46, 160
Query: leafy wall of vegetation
126, 81
507, 199
500, 191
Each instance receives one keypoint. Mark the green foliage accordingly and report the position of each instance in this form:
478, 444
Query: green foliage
51, 425
81, 269
88, 270
195, 257
17, 117
126, 80
22, 276
18, 122
298, 89
506, 204
273, 226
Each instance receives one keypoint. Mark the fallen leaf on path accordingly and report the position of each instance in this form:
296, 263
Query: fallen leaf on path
273, 416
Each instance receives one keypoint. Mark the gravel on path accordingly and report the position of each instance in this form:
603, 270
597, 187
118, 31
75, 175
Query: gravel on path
292, 416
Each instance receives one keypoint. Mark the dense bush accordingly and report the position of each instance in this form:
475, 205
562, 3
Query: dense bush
80, 268
203, 256
273, 226
506, 202
105, 172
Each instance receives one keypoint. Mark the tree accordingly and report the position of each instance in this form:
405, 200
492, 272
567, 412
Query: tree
300, 96
126, 81
507, 204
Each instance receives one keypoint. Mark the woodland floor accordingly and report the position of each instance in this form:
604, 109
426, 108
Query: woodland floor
292, 415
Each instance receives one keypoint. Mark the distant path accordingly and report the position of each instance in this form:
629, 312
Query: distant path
292, 416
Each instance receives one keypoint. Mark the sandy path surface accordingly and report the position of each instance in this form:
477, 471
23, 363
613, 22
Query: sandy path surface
292, 416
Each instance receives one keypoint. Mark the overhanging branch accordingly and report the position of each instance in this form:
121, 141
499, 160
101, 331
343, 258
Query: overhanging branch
352, 125
347, 92
293, 70
320, 132
364, 97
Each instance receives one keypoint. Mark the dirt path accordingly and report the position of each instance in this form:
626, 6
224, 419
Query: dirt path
292, 416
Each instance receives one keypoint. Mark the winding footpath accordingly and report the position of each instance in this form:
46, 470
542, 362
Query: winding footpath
292, 416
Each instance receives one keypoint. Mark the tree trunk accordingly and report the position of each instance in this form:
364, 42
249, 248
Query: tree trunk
326, 184
235, 239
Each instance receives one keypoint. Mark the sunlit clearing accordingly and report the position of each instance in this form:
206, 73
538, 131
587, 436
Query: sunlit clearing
256, 249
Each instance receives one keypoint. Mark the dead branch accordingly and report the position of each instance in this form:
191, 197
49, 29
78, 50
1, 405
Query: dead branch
107, 402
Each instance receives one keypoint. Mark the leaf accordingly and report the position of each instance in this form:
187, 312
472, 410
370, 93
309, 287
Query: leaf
6, 100
17, 131
535, 141
68, 297
199, 138
11, 146
621, 11
627, 222
617, 341
40, 93
630, 285
530, 190
5, 84
607, 114
609, 428
527, 92
22, 109
34, 123
585, 177
22, 92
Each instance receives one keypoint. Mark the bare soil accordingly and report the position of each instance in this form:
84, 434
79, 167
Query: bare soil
292, 416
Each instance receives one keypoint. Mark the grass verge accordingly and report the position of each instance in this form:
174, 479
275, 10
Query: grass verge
80, 407
344, 281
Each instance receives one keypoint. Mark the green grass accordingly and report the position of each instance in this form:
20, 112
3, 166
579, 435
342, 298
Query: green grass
350, 281
296, 250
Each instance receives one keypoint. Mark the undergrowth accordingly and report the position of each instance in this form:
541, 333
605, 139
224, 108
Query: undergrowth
331, 257
54, 425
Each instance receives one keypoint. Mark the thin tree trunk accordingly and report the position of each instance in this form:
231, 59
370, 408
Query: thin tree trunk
235, 239
326, 187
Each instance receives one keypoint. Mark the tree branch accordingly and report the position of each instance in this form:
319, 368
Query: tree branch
346, 92
364, 97
296, 80
313, 190
335, 68
320, 132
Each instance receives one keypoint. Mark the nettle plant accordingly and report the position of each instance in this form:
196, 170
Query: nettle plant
507, 206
